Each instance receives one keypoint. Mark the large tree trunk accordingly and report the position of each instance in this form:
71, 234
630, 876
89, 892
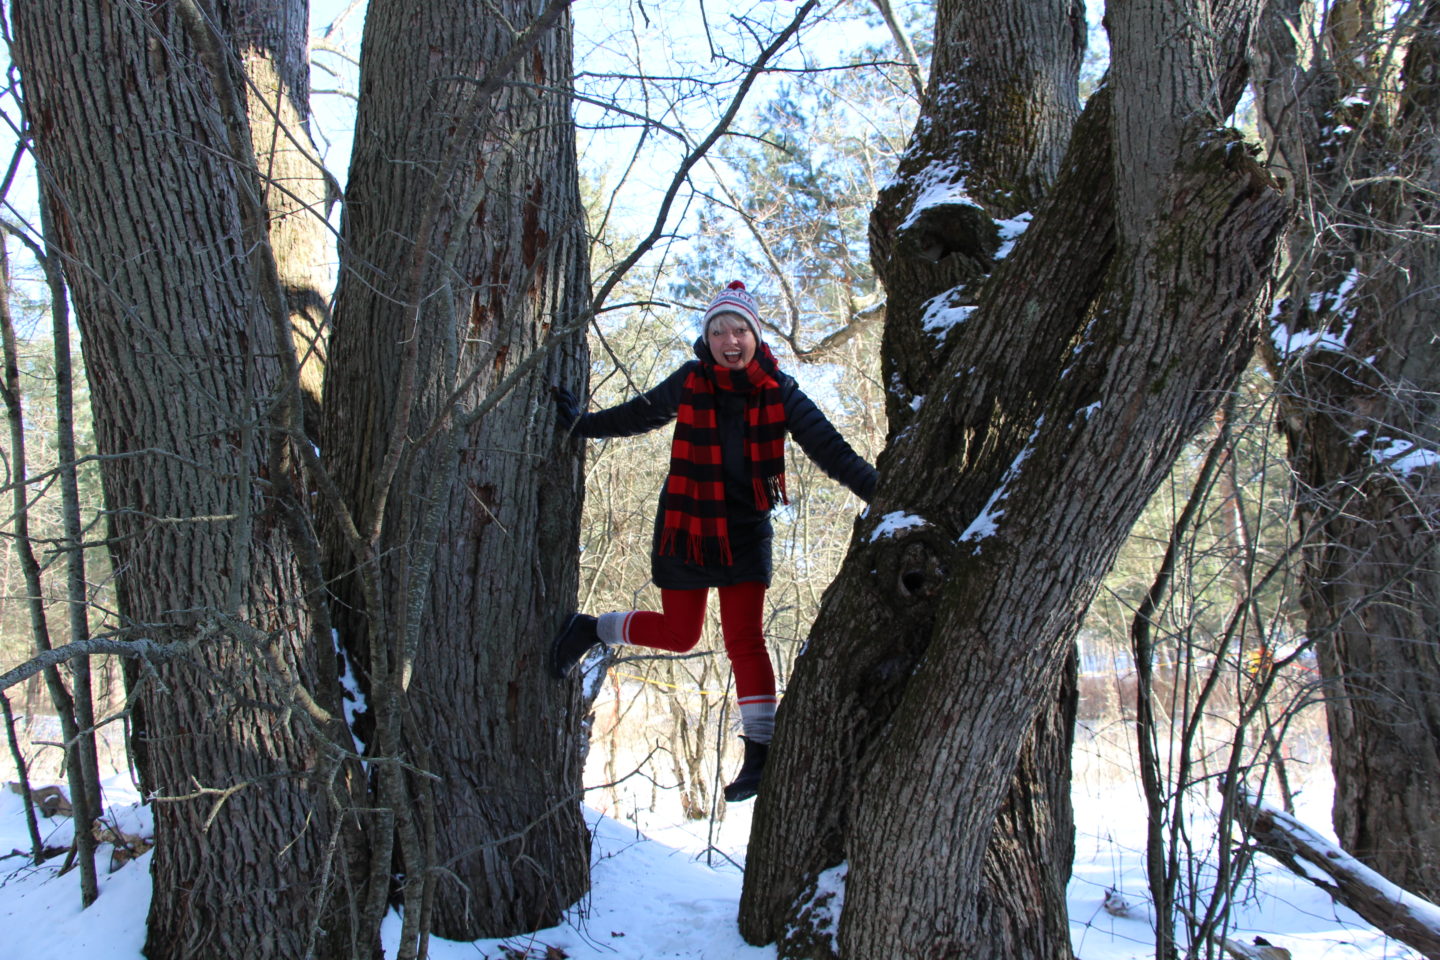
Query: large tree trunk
1020, 910
463, 244
271, 40
1012, 71
1356, 357
1097, 347
1002, 101
136, 164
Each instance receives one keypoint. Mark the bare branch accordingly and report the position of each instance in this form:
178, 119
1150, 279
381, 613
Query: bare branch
902, 40
148, 649
682, 173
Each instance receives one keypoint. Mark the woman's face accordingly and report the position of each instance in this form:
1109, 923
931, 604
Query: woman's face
731, 342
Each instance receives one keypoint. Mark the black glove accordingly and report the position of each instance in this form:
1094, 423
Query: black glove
567, 409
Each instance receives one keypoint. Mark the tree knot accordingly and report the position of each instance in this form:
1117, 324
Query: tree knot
912, 558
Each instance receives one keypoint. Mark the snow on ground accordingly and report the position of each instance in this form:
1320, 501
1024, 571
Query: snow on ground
40, 915
658, 893
1274, 904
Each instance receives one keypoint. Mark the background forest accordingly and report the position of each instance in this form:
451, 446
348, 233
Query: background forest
1137, 320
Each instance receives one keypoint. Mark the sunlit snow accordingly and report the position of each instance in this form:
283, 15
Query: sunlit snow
985, 524
1402, 456
939, 186
894, 523
1010, 233
940, 317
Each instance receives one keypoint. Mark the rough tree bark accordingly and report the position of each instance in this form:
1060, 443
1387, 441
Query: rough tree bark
1351, 111
141, 177
271, 40
989, 147
463, 244
1002, 101
1097, 347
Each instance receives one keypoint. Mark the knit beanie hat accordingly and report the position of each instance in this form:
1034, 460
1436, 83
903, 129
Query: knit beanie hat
734, 299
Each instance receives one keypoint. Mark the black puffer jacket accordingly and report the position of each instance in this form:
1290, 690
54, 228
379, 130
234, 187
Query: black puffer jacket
750, 530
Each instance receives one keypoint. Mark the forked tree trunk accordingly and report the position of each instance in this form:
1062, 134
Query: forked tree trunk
1094, 351
136, 164
1356, 126
1012, 71
463, 246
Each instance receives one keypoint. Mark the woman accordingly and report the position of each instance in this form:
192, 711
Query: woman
733, 408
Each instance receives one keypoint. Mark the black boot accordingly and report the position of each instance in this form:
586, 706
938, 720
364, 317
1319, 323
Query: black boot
572, 644
747, 783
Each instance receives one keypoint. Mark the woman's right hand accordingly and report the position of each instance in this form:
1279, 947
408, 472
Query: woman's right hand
567, 408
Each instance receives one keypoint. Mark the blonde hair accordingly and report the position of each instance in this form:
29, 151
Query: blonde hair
728, 320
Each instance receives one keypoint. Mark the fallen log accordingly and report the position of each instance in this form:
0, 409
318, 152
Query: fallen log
1262, 949
1411, 919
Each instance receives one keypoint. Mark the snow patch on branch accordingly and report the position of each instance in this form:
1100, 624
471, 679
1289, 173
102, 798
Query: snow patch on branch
1339, 863
939, 184
987, 522
940, 316
1402, 456
895, 523
1010, 232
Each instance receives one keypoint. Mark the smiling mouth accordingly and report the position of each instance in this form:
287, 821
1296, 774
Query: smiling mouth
732, 356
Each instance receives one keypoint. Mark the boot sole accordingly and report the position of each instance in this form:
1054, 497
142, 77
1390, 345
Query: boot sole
741, 794
558, 642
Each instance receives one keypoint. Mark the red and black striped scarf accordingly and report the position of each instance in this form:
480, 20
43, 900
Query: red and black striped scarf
694, 512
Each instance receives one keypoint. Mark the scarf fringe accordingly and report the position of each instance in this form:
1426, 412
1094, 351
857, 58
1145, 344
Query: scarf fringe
694, 551
770, 491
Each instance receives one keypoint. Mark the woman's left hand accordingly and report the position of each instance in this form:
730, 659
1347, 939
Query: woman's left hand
567, 408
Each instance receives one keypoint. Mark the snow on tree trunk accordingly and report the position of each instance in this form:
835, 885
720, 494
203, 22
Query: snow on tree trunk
1095, 349
1353, 347
463, 244
138, 173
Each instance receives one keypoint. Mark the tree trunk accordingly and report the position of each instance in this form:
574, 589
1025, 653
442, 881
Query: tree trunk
1003, 99
1354, 351
1012, 71
464, 244
272, 41
134, 156
1020, 910
1093, 352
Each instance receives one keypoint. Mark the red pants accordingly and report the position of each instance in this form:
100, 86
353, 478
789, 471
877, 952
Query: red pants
742, 609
